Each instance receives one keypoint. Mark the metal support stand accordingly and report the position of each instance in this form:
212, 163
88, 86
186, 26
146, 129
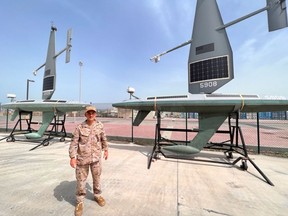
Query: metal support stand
234, 132
54, 132
50, 134
10, 137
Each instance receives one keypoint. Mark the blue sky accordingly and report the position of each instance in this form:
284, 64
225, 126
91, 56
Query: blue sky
115, 40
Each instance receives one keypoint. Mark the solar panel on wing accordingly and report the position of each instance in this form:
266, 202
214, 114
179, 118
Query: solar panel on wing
209, 69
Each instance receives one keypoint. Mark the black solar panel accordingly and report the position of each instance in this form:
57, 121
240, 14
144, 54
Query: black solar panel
167, 97
48, 83
214, 68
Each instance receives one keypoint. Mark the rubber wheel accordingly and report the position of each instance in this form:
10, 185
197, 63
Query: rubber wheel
230, 155
46, 143
10, 139
244, 165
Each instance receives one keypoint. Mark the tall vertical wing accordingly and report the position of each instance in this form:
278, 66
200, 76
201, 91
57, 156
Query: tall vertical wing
49, 78
210, 63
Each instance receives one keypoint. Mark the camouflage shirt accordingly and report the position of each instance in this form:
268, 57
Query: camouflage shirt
88, 142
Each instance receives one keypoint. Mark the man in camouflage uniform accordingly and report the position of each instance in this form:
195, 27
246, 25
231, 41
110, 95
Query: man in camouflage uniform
85, 151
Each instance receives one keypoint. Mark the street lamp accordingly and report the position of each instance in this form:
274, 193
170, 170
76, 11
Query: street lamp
27, 92
80, 81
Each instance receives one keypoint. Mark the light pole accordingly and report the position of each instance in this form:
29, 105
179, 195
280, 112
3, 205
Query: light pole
27, 92
80, 80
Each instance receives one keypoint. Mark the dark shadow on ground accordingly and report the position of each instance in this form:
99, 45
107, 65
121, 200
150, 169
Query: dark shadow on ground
66, 191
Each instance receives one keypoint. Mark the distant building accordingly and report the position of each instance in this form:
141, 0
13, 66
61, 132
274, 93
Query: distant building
280, 115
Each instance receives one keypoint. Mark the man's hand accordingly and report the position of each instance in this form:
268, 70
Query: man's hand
73, 162
105, 155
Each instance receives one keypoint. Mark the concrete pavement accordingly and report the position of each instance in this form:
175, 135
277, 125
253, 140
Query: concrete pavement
41, 182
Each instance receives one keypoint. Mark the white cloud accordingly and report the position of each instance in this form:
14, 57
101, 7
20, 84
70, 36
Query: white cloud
174, 17
161, 14
260, 66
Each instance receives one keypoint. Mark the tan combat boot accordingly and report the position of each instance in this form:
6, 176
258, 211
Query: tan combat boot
100, 200
79, 209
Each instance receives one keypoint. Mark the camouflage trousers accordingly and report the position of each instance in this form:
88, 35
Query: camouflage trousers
81, 177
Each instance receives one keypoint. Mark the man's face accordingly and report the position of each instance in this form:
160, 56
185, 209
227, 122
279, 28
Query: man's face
90, 115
